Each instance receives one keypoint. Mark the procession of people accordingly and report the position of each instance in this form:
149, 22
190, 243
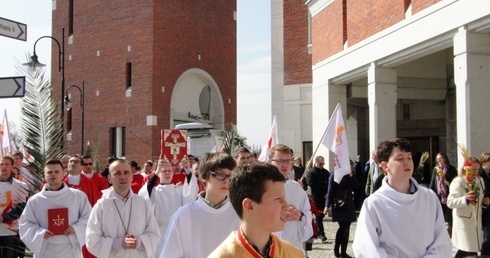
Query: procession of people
247, 208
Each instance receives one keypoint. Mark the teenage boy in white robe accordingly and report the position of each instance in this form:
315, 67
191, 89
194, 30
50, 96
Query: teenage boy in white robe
166, 198
55, 194
298, 227
196, 229
122, 223
400, 219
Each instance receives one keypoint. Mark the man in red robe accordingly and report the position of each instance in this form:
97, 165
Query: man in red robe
138, 179
88, 170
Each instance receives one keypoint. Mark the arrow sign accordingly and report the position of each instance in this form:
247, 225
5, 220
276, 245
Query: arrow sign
12, 87
13, 29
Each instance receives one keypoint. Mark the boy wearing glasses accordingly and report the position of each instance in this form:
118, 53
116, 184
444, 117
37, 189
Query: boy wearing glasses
258, 197
196, 229
165, 197
298, 227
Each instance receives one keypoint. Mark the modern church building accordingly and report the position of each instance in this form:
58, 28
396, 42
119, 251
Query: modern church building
416, 69
145, 66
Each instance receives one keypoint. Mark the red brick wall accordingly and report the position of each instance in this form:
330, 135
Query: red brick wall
365, 18
362, 19
328, 31
165, 39
297, 61
419, 5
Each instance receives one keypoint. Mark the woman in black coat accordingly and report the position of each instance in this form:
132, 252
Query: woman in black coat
339, 193
442, 176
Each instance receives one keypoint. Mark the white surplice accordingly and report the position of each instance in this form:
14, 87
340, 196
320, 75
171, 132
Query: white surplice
297, 232
111, 219
165, 200
34, 222
196, 229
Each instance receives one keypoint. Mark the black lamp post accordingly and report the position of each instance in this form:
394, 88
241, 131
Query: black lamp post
82, 106
61, 64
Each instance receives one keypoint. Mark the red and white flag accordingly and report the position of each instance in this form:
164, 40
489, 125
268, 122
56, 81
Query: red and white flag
271, 141
5, 147
335, 139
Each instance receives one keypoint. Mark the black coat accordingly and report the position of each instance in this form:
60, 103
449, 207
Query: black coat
317, 180
485, 219
340, 190
450, 175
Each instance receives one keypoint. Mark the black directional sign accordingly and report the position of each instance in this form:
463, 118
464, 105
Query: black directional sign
13, 29
12, 87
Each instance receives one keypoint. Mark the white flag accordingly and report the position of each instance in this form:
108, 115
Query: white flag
6, 143
335, 139
271, 141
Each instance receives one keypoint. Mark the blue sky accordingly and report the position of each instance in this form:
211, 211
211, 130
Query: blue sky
253, 67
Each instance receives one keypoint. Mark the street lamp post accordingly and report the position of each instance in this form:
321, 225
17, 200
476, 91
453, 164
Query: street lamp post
61, 64
82, 105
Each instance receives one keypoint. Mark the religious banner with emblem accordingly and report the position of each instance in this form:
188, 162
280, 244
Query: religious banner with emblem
174, 145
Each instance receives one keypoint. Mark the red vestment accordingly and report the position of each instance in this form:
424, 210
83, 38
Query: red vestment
88, 187
179, 177
137, 183
99, 181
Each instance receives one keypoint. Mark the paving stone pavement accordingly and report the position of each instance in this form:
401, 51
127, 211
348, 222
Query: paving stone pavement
325, 250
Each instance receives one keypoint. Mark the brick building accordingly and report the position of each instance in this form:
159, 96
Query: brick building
414, 69
146, 66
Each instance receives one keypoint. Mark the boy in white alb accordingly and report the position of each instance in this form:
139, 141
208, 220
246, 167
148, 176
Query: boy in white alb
166, 198
122, 223
36, 224
400, 219
196, 229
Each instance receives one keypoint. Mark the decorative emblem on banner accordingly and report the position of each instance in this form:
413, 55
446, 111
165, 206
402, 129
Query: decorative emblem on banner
174, 145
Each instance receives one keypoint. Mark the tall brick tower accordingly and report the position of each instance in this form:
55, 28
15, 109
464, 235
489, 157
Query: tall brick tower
147, 66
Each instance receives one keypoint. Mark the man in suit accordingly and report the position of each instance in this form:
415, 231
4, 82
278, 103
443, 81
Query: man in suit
374, 171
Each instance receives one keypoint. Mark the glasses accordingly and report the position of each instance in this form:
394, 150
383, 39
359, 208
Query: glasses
88, 164
282, 161
321, 164
220, 176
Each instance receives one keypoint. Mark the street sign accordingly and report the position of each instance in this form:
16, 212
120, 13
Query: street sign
13, 29
12, 87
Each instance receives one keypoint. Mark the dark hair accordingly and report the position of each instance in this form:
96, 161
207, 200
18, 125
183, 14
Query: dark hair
444, 156
239, 150
18, 153
86, 156
279, 148
79, 157
54, 162
133, 164
248, 181
111, 159
213, 161
9, 158
385, 148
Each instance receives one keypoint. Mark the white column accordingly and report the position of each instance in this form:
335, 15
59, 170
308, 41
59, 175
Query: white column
325, 99
472, 78
382, 97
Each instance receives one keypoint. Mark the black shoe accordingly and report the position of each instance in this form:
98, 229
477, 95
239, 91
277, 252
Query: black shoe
345, 256
324, 238
336, 254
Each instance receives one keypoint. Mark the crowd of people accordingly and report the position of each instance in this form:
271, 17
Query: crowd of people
222, 205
